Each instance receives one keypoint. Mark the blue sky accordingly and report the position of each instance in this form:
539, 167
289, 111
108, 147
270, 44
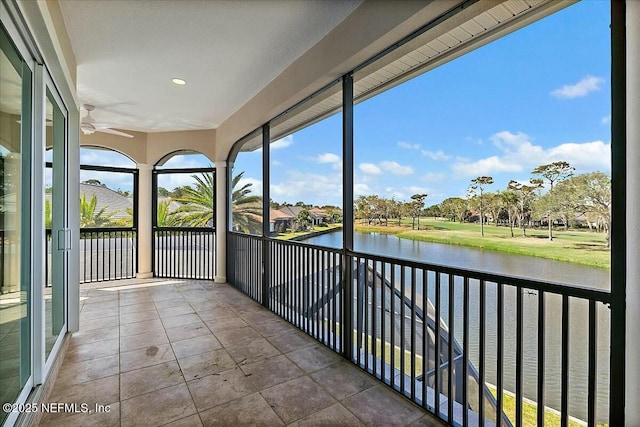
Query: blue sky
538, 95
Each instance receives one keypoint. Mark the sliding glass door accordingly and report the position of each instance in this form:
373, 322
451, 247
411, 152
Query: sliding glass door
15, 289
54, 286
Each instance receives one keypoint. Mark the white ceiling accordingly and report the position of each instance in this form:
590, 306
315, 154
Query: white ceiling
227, 51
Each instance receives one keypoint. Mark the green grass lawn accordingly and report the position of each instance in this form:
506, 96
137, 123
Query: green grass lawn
580, 247
530, 412
529, 409
291, 235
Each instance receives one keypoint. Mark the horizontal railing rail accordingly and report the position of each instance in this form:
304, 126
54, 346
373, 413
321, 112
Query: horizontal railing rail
521, 282
472, 347
184, 252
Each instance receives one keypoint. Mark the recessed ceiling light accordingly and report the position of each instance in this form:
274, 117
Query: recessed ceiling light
178, 81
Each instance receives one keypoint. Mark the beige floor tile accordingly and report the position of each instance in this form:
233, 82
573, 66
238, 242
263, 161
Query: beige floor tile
216, 389
144, 357
207, 347
140, 327
107, 417
273, 371
135, 299
103, 322
90, 351
291, 340
297, 399
334, 416
190, 421
314, 358
204, 364
88, 370
252, 351
258, 317
429, 421
138, 317
96, 311
216, 313
225, 324
343, 379
137, 308
151, 378
250, 410
158, 407
176, 300
237, 337
179, 320
144, 339
273, 328
92, 336
190, 330
397, 410
103, 391
196, 345
175, 310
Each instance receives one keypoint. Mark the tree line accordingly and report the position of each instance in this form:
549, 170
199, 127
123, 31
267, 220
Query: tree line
569, 200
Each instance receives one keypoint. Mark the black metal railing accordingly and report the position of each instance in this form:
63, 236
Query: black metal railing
245, 269
185, 253
105, 254
305, 289
446, 338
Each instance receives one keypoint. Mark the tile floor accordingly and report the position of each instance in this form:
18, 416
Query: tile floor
194, 353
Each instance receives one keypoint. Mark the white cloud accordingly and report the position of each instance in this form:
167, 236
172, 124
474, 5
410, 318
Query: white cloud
112, 180
395, 168
308, 187
328, 158
101, 157
282, 142
433, 177
582, 88
434, 155
414, 189
256, 185
408, 146
188, 161
519, 154
360, 189
606, 120
488, 166
370, 168
583, 156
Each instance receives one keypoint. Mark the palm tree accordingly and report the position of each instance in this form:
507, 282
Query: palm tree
198, 203
88, 215
246, 207
166, 218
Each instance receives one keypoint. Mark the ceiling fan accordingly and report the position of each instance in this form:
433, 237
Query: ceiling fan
89, 126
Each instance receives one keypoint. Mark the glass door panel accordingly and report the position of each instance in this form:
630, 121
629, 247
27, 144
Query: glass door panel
55, 202
15, 135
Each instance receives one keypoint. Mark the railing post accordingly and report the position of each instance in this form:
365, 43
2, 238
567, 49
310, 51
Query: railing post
347, 216
621, 153
266, 207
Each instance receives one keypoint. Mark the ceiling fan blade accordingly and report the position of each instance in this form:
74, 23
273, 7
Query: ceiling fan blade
114, 132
